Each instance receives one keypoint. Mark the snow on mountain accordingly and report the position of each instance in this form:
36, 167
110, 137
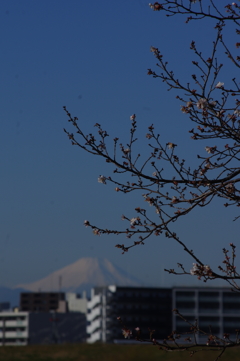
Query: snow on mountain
82, 275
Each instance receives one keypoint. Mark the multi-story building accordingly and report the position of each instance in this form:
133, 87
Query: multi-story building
22, 328
44, 317
146, 308
53, 301
40, 301
54, 327
75, 303
217, 310
14, 328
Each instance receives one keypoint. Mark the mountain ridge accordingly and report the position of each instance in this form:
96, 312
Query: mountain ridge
85, 273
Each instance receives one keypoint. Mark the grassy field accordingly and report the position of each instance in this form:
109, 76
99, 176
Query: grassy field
83, 352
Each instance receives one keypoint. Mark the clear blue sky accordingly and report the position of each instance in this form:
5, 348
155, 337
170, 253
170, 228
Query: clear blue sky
91, 56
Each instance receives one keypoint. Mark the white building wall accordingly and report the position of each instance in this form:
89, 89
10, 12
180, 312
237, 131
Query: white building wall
76, 304
96, 316
95, 313
14, 328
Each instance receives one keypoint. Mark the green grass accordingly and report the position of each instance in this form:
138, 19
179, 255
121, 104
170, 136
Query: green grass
102, 352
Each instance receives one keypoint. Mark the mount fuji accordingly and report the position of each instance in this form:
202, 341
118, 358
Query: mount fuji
83, 275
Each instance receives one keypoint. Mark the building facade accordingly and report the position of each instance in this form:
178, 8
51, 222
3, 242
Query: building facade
40, 301
44, 317
74, 319
75, 303
14, 328
23, 328
57, 328
215, 309
146, 308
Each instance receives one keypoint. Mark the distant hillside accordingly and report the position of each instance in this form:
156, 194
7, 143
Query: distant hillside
82, 275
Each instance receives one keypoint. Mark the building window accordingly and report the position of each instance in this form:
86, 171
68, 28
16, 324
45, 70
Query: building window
232, 308
208, 296
231, 297
185, 306
208, 307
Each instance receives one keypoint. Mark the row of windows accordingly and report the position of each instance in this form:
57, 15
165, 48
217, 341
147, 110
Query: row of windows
121, 294
8, 329
38, 308
143, 306
13, 340
42, 295
152, 320
208, 295
213, 329
13, 318
207, 305
44, 302
211, 320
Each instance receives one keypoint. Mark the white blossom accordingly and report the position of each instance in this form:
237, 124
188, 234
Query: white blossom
230, 188
201, 270
133, 117
156, 6
184, 109
96, 232
153, 49
133, 221
219, 85
213, 104
207, 268
220, 114
170, 145
237, 112
102, 179
202, 103
148, 199
194, 269
210, 150
126, 333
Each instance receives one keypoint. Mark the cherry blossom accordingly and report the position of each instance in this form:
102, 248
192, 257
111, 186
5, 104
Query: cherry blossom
219, 85
202, 103
126, 333
96, 232
102, 179
133, 221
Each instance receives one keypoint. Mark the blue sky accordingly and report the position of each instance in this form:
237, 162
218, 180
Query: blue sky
92, 57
